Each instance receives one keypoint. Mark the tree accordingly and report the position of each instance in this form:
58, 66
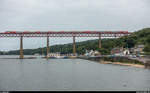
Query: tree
147, 48
148, 39
104, 51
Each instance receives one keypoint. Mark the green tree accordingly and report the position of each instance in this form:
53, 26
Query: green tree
104, 51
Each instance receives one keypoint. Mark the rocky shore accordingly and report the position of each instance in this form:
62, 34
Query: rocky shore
122, 61
123, 64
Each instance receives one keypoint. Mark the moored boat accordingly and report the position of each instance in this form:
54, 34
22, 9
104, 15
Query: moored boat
60, 57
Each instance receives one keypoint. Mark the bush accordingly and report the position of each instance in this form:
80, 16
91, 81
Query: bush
123, 60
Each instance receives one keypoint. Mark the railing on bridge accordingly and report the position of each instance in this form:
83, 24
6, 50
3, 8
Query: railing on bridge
65, 34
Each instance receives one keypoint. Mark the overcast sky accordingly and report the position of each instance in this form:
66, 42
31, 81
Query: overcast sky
57, 15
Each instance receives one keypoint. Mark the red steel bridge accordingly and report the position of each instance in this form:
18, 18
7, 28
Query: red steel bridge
100, 34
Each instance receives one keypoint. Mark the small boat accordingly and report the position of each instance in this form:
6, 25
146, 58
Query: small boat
60, 57
36, 55
73, 56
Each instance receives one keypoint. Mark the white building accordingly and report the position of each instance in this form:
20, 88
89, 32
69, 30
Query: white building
53, 54
91, 53
126, 52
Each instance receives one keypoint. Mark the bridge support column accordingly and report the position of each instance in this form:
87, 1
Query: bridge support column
21, 47
47, 47
99, 45
74, 46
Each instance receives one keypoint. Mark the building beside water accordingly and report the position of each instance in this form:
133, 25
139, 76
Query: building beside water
92, 53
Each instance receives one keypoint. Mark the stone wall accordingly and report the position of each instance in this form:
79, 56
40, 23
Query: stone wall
147, 56
147, 64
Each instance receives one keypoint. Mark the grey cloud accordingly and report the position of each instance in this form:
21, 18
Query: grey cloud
71, 15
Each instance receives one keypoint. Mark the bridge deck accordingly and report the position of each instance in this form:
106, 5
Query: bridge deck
65, 34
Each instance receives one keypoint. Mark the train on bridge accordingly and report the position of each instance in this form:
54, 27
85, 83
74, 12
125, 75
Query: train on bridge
100, 34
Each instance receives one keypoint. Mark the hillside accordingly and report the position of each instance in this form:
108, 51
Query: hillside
138, 37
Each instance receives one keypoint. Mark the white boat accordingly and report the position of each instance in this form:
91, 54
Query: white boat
73, 57
59, 57
37, 55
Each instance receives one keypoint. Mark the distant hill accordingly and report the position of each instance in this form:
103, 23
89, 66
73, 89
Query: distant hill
138, 37
1, 53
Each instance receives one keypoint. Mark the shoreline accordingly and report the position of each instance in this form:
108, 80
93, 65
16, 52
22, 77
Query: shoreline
102, 62
123, 64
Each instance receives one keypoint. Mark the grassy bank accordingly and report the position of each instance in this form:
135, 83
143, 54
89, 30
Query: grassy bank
118, 61
122, 60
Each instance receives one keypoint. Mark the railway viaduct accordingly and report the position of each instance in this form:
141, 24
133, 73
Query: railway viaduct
74, 34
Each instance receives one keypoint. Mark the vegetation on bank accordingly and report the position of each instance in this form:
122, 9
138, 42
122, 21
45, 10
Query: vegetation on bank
138, 37
115, 59
123, 60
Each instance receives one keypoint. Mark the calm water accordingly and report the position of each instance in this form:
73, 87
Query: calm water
70, 75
